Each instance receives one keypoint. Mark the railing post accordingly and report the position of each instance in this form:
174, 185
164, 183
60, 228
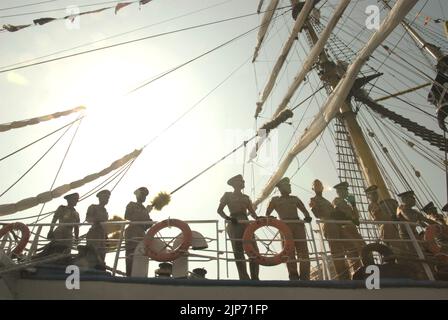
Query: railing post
117, 255
35, 242
315, 249
217, 250
325, 272
419, 252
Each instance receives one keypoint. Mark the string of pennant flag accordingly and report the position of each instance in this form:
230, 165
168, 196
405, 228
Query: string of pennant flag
71, 17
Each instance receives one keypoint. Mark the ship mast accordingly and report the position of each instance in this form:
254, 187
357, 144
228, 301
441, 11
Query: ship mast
369, 166
435, 52
438, 55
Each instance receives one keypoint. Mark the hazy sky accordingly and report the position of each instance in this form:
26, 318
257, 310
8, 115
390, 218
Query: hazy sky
118, 122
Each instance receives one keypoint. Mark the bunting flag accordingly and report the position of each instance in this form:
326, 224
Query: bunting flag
23, 123
121, 5
44, 197
42, 21
12, 28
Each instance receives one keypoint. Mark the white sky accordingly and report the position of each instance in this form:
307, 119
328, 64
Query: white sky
118, 123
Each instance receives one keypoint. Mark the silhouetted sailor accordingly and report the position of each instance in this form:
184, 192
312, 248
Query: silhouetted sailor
286, 206
345, 209
239, 205
97, 213
406, 212
324, 210
387, 231
431, 210
134, 233
63, 235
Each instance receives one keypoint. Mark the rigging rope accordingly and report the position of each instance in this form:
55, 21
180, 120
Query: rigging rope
40, 139
135, 40
35, 163
60, 165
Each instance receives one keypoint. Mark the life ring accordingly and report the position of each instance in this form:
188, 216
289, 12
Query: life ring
383, 250
251, 250
25, 235
432, 233
164, 255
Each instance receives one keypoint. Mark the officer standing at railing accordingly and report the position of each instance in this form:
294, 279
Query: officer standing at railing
378, 213
431, 210
286, 206
97, 213
63, 235
239, 205
324, 210
345, 209
406, 212
134, 233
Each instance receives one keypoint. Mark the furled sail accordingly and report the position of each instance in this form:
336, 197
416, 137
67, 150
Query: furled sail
23, 123
265, 22
285, 50
340, 93
307, 65
44, 197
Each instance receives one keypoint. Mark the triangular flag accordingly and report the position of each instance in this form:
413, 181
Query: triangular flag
12, 28
121, 5
42, 21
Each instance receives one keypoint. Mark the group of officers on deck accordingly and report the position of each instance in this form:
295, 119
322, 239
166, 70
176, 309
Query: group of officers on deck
346, 254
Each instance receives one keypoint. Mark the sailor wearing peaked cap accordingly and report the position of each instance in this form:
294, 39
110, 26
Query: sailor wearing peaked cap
282, 182
445, 208
370, 189
134, 233
287, 207
142, 190
238, 204
342, 185
345, 209
72, 196
431, 210
103, 193
96, 214
406, 212
63, 234
406, 194
234, 180
430, 207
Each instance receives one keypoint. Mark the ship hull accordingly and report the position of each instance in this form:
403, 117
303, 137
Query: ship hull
107, 287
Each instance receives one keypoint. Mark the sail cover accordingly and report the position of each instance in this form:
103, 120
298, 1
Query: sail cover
340, 93
267, 17
44, 197
23, 123
282, 58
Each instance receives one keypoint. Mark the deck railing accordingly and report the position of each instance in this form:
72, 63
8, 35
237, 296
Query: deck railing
318, 246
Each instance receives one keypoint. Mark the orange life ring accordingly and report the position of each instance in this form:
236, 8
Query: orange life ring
252, 252
25, 235
433, 232
164, 256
